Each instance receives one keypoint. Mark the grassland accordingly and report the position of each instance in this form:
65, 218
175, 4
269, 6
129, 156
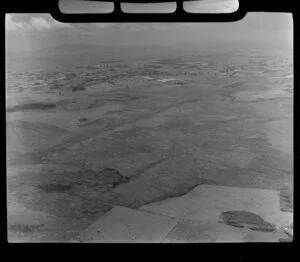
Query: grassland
121, 133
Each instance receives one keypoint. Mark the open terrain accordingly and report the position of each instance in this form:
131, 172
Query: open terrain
88, 132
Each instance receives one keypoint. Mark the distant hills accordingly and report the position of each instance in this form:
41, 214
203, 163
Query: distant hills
92, 53
100, 52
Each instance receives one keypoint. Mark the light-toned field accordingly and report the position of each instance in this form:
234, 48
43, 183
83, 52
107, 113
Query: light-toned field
206, 125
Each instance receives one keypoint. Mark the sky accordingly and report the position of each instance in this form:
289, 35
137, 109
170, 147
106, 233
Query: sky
29, 32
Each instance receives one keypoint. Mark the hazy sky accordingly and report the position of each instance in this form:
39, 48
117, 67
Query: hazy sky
34, 31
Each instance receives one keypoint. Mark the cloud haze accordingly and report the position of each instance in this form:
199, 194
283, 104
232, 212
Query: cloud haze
40, 23
11, 25
35, 23
30, 31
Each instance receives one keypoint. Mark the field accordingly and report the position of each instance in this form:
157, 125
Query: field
93, 133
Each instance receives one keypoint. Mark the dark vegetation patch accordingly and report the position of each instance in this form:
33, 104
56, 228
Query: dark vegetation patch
70, 75
119, 97
289, 234
79, 87
289, 90
88, 123
55, 187
26, 228
111, 61
176, 193
286, 199
113, 177
166, 61
19, 159
234, 85
83, 119
174, 82
90, 212
31, 106
286, 239
25, 125
54, 86
205, 181
84, 180
152, 66
246, 219
78, 105
177, 123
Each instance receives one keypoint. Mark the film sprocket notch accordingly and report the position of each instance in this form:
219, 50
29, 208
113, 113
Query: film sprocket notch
180, 15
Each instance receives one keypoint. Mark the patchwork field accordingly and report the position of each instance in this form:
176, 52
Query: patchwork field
84, 138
